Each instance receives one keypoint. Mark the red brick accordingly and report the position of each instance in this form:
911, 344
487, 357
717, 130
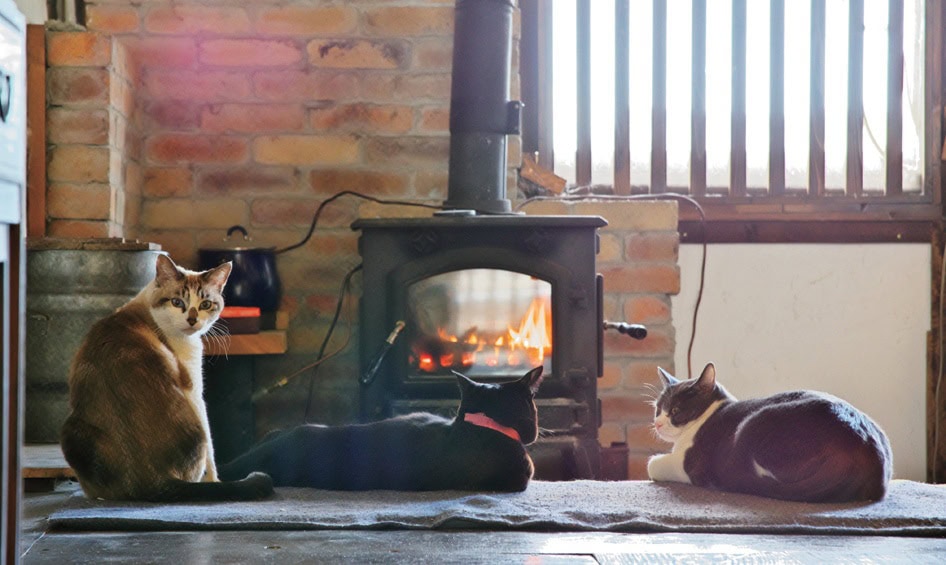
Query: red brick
248, 180
168, 182
305, 149
357, 54
330, 181
182, 213
163, 52
432, 184
78, 163
111, 19
185, 148
210, 86
625, 408
435, 54
78, 49
85, 86
643, 375
369, 118
657, 246
79, 229
306, 21
411, 151
641, 437
647, 310
67, 125
79, 202
252, 118
409, 21
190, 20
178, 115
305, 86
612, 377
283, 212
249, 53
435, 120
408, 88
646, 277
637, 467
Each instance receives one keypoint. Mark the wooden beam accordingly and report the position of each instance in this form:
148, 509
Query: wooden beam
816, 158
658, 145
698, 101
35, 130
894, 184
737, 166
777, 97
583, 157
622, 111
855, 99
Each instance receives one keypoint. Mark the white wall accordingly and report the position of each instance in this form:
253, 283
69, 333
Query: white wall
850, 320
33, 10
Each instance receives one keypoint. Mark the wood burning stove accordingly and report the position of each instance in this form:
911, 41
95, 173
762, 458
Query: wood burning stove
489, 296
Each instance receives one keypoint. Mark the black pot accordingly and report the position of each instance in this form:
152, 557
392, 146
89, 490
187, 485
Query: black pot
253, 280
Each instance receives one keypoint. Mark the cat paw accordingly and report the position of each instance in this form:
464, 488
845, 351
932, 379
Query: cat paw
666, 467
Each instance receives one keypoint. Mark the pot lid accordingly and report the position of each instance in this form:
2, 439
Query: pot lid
239, 242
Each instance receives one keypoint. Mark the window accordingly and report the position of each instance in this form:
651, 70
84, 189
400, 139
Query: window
765, 111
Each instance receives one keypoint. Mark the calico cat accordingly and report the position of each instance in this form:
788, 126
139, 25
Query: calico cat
138, 426
802, 446
481, 449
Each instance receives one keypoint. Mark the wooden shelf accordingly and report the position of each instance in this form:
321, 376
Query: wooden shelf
270, 342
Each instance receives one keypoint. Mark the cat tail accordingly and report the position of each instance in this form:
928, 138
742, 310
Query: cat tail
253, 487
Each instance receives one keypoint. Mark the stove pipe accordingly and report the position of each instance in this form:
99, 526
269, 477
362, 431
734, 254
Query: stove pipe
481, 114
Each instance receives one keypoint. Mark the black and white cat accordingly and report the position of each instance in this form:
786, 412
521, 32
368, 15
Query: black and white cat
803, 445
481, 449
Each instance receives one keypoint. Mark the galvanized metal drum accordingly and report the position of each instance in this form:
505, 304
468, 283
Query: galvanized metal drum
71, 284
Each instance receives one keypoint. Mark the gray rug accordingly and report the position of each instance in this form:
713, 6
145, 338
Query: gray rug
910, 508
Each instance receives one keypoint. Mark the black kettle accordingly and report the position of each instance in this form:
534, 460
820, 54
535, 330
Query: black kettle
253, 280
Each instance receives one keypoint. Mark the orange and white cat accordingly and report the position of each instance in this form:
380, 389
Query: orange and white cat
138, 425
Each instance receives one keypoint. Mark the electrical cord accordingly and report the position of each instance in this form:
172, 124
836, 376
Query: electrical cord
664, 196
336, 196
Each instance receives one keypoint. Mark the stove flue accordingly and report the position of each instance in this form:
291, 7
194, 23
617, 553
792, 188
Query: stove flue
481, 114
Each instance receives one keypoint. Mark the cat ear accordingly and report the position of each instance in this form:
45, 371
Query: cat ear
666, 378
707, 378
218, 275
533, 379
166, 271
463, 381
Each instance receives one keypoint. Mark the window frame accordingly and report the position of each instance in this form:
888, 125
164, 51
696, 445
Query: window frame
780, 217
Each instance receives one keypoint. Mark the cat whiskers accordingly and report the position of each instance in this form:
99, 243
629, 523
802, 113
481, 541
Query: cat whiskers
220, 335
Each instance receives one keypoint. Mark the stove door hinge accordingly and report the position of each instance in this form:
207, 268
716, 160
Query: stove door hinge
599, 332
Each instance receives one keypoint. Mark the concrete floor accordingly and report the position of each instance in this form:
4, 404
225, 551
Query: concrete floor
468, 547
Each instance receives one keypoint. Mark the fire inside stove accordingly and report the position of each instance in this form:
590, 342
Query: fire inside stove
481, 322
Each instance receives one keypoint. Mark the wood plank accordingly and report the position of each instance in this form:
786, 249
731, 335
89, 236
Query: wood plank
583, 83
855, 99
737, 166
698, 101
658, 144
777, 97
36, 130
45, 461
933, 96
894, 97
270, 342
816, 158
622, 111
812, 231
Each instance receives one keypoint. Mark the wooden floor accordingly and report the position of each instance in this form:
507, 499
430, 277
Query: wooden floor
468, 547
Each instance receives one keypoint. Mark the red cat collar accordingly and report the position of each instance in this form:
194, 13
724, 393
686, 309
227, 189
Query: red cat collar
484, 421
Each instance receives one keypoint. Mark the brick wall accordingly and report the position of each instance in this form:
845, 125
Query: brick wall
170, 122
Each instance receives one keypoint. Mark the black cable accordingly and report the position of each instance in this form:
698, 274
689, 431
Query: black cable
328, 335
336, 196
663, 196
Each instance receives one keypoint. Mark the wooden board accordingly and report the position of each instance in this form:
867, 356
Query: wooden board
270, 342
45, 461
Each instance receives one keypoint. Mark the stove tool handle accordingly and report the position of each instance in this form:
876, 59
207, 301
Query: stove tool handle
372, 372
636, 331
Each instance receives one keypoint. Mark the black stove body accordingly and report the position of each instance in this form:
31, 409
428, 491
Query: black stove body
403, 260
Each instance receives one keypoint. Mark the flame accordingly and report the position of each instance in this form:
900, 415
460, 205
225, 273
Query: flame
528, 344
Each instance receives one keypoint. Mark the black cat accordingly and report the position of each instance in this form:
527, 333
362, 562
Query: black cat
481, 449
803, 446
